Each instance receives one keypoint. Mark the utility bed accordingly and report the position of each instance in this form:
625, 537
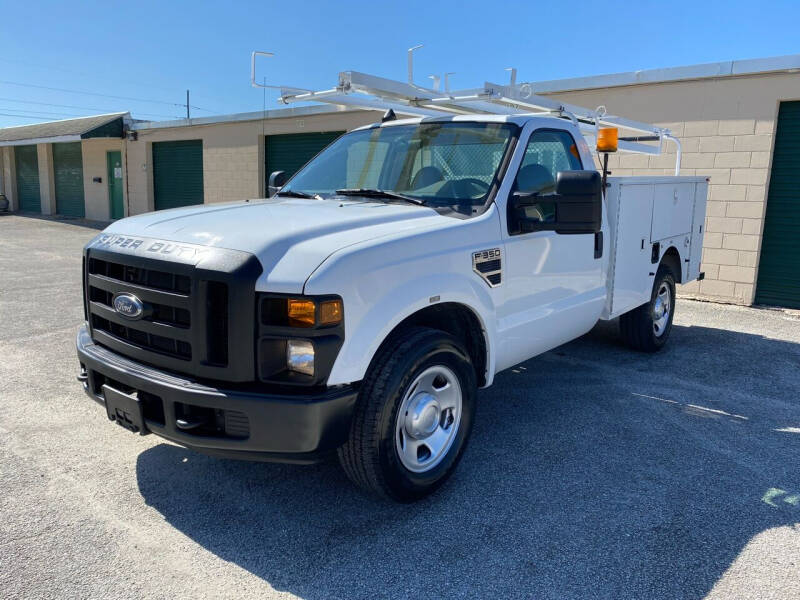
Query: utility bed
645, 215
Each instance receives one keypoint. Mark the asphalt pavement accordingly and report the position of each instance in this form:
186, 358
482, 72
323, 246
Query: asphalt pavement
592, 472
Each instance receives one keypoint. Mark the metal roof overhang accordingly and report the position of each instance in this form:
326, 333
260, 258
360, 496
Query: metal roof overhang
45, 140
716, 70
67, 130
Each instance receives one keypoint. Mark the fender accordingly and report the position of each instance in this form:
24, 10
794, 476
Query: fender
382, 282
367, 325
679, 265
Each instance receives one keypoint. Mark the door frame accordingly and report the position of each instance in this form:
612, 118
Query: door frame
109, 176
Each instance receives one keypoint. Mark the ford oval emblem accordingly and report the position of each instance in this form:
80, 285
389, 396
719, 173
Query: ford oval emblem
129, 306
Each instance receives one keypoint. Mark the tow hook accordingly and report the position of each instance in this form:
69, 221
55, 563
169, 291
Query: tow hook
189, 424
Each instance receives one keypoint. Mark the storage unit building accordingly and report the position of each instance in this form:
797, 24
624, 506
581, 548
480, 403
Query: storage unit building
228, 157
60, 167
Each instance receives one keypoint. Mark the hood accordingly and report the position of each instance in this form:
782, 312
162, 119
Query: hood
290, 236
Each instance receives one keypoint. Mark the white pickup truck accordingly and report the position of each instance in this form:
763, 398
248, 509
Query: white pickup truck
360, 308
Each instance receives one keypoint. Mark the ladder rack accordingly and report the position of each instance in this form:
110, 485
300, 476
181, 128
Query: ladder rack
366, 91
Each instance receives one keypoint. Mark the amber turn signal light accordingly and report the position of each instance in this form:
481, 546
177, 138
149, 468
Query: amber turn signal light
301, 313
330, 312
607, 139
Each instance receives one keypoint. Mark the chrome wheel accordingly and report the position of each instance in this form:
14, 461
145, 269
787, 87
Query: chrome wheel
661, 309
428, 419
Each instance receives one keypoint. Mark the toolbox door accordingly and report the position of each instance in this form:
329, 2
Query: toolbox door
633, 272
698, 230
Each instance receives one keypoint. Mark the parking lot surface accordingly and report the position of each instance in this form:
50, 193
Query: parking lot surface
592, 472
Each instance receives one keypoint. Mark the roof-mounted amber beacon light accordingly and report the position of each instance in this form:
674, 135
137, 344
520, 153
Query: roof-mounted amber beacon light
607, 139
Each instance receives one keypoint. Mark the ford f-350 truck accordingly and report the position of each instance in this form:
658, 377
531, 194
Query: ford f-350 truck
360, 308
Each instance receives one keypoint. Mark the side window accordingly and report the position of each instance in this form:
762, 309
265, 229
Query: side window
547, 153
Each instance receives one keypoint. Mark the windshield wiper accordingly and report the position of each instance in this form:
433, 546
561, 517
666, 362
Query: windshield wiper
375, 193
298, 194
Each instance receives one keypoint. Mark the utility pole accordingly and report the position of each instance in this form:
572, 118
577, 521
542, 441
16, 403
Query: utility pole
187, 104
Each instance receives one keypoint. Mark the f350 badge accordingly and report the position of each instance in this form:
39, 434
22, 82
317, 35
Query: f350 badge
489, 265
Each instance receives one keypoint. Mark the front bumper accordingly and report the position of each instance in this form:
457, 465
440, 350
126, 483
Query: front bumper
283, 428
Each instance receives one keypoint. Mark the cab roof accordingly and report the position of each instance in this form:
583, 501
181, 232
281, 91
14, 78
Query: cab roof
517, 119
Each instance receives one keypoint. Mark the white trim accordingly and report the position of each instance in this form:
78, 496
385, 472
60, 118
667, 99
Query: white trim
45, 140
734, 68
280, 113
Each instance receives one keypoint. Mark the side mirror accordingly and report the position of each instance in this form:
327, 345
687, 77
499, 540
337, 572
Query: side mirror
580, 204
276, 181
575, 207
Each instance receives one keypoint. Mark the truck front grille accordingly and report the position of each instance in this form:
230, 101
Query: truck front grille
151, 278
144, 340
166, 326
193, 311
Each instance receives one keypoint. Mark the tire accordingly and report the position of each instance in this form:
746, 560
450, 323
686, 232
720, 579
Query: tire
379, 455
644, 328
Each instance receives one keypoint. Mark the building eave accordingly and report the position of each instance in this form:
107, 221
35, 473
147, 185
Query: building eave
45, 140
731, 68
281, 113
65, 130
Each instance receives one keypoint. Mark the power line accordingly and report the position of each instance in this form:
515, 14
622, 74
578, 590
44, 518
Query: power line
103, 110
84, 74
42, 112
25, 117
54, 89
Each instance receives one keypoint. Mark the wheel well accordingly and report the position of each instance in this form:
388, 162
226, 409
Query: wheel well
459, 321
673, 259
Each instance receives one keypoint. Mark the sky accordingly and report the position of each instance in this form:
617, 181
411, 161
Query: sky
64, 59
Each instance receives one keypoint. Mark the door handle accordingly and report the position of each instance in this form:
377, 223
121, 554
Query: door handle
598, 244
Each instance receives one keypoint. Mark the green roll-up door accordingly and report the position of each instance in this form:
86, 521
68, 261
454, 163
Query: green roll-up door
291, 151
177, 173
68, 179
779, 265
27, 167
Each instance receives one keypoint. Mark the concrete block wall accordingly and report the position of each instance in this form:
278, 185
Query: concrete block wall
726, 127
47, 182
10, 177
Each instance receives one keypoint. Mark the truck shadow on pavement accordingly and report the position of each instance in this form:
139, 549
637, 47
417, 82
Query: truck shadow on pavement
592, 471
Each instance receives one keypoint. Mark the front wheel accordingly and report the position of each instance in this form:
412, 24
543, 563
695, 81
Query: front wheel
413, 416
647, 327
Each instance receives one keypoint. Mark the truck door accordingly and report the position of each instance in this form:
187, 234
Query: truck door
554, 284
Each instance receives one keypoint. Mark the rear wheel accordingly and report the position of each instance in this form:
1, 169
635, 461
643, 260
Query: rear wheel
647, 327
413, 416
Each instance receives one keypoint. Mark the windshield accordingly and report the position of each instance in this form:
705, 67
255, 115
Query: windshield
445, 164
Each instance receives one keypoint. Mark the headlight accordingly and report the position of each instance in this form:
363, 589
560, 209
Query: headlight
300, 356
299, 338
301, 313
304, 312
